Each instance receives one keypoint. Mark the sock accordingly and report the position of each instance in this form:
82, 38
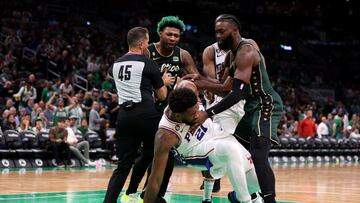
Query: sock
269, 198
208, 187
256, 198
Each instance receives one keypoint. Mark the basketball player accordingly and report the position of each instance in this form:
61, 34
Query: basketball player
213, 60
135, 76
263, 106
209, 147
175, 62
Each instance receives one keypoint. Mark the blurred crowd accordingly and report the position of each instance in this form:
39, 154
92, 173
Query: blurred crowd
33, 99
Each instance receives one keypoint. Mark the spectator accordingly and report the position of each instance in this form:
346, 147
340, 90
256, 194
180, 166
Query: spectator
307, 127
47, 92
76, 111
58, 137
25, 124
84, 128
60, 110
338, 125
355, 134
75, 146
49, 115
17, 117
94, 118
9, 123
25, 93
355, 121
330, 123
114, 109
39, 126
322, 129
66, 87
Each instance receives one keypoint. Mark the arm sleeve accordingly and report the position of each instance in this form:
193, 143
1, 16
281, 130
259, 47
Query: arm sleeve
240, 90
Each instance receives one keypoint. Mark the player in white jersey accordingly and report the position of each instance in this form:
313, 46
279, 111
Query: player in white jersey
213, 60
209, 147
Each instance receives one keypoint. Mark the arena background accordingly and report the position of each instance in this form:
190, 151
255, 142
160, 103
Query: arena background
312, 55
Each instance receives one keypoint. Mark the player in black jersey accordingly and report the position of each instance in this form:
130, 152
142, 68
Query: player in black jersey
135, 76
171, 59
175, 62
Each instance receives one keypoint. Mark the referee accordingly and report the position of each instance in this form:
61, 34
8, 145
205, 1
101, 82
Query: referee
136, 77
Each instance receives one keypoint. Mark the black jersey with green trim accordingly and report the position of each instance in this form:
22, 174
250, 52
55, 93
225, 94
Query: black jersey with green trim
262, 95
171, 63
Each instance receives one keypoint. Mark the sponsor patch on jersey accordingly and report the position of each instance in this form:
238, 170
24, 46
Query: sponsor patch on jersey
177, 127
175, 58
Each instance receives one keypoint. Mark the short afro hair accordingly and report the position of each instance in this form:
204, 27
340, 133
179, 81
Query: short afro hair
170, 21
181, 99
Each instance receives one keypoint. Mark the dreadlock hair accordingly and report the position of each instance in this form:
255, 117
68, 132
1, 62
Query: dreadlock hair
170, 21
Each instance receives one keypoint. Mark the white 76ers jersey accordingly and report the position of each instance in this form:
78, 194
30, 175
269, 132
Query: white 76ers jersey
188, 141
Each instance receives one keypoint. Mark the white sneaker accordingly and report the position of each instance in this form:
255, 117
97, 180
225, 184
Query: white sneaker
114, 158
258, 199
91, 163
169, 187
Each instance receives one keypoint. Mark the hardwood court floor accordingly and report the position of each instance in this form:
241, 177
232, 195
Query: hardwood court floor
307, 183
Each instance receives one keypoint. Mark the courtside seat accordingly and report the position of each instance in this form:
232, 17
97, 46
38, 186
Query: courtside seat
334, 146
13, 141
31, 141
353, 146
44, 142
79, 136
303, 150
5, 152
95, 146
325, 147
284, 146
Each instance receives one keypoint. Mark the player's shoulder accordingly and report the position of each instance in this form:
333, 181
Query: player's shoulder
252, 43
210, 48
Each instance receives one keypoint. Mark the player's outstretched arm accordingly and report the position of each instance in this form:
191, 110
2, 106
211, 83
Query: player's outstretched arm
164, 140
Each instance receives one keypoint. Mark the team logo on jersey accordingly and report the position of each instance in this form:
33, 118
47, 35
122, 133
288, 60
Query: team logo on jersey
153, 53
175, 59
177, 127
169, 67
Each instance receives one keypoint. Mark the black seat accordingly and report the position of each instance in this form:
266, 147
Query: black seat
31, 141
284, 146
325, 147
79, 136
13, 141
353, 146
44, 143
95, 146
5, 152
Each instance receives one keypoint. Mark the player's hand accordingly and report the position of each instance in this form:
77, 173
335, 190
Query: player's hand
209, 96
191, 77
199, 119
168, 78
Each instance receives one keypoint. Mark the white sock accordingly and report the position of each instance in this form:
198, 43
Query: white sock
208, 187
258, 199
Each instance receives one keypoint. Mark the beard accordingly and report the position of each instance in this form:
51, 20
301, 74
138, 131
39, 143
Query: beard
226, 43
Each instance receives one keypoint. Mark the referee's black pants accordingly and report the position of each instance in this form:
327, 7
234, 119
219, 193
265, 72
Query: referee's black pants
134, 127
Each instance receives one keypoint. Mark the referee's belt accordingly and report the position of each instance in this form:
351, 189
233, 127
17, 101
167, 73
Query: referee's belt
128, 105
